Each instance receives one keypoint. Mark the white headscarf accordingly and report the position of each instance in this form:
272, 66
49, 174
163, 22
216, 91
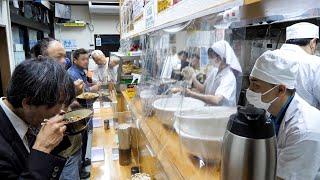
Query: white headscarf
276, 67
224, 50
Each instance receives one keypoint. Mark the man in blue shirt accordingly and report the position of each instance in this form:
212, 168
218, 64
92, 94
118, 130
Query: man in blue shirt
77, 70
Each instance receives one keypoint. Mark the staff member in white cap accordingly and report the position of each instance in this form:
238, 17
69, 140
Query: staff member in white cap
220, 87
297, 125
301, 40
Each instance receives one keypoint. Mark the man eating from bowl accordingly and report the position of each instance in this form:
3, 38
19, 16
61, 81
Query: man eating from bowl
32, 100
55, 50
77, 70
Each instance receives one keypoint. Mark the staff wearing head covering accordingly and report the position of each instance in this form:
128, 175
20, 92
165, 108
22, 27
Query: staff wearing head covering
301, 40
221, 85
297, 125
304, 34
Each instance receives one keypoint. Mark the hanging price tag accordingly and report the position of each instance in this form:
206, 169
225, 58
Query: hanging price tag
98, 41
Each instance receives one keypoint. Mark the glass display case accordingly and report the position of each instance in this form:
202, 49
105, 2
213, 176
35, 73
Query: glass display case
189, 87
124, 69
194, 75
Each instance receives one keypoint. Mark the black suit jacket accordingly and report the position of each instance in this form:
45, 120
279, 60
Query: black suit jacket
17, 163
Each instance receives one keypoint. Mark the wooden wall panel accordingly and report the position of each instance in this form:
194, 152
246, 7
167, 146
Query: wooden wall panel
4, 60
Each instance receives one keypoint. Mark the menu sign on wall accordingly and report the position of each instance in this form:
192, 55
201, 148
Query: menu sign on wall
70, 44
149, 14
137, 9
163, 5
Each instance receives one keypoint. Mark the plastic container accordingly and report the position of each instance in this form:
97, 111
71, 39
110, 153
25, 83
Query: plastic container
201, 130
207, 121
147, 97
166, 107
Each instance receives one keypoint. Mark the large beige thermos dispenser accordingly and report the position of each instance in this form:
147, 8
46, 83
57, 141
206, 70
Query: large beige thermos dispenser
124, 144
249, 146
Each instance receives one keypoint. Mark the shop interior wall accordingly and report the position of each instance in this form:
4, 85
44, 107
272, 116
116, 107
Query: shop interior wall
7, 63
103, 24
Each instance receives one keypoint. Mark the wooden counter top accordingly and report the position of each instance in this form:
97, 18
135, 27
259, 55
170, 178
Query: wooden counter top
176, 163
107, 169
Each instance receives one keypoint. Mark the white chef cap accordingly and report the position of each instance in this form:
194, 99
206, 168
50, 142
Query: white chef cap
302, 30
224, 50
276, 67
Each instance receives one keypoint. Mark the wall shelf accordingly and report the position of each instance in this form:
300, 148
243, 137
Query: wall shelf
257, 13
17, 19
183, 11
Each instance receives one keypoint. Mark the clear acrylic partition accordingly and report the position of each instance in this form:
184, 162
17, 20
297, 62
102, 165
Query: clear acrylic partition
190, 85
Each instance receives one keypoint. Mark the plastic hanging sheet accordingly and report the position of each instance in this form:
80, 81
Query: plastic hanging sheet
190, 86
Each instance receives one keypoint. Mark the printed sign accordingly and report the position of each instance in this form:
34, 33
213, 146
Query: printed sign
70, 44
149, 14
163, 5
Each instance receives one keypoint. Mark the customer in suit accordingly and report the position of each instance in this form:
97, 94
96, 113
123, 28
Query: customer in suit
54, 49
37, 91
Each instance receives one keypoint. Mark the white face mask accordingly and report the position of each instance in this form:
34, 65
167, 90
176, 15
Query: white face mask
217, 64
214, 62
210, 61
211, 70
255, 99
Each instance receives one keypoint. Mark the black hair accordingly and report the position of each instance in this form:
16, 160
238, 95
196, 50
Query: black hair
289, 92
35, 50
195, 56
183, 53
78, 52
42, 81
300, 42
212, 53
41, 48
